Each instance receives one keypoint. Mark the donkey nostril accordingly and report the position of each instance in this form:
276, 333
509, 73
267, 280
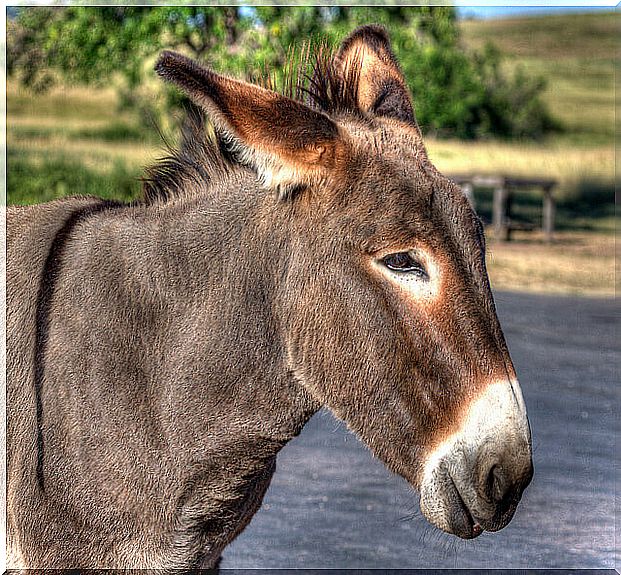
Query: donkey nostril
497, 484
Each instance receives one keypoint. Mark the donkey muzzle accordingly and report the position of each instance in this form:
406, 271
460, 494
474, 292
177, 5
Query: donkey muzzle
474, 479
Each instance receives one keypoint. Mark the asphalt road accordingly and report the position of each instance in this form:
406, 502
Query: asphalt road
332, 505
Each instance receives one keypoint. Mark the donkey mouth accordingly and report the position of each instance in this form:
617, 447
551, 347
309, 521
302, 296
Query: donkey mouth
462, 522
443, 505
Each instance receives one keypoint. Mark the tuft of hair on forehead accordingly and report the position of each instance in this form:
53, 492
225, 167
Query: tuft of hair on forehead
330, 89
311, 77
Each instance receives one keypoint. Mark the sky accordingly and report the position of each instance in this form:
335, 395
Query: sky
465, 11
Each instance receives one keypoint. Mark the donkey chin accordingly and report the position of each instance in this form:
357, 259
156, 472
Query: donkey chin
473, 479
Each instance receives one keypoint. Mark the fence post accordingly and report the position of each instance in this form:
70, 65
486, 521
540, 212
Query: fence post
548, 212
499, 212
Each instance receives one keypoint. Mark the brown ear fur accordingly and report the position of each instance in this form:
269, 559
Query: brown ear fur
287, 142
382, 89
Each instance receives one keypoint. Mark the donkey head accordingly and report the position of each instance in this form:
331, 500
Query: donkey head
385, 306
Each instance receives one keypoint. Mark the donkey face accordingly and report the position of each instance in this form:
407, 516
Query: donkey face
386, 310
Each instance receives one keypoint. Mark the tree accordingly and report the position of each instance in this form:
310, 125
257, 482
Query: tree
456, 93
96, 45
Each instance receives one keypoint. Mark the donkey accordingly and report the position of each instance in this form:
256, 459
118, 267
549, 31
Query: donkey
160, 354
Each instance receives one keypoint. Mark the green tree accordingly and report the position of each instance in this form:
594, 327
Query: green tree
456, 93
96, 45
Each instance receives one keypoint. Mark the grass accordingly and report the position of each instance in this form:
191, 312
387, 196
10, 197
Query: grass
30, 181
73, 140
112, 132
575, 53
63, 103
576, 263
97, 155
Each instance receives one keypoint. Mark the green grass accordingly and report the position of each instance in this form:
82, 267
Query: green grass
30, 181
72, 140
113, 132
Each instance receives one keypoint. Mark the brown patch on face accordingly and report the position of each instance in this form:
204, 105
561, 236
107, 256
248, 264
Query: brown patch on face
452, 350
471, 354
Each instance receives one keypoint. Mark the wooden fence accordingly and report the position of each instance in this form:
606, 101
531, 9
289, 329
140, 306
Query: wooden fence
504, 196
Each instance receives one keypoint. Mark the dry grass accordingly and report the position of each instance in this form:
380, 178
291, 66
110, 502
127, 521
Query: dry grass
570, 165
98, 156
15, 122
73, 103
576, 264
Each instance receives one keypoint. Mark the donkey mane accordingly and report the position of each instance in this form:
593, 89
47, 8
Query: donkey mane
199, 159
310, 76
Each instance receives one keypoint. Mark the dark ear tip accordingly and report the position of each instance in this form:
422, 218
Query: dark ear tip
167, 62
371, 30
371, 34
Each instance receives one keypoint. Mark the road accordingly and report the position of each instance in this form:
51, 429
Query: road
332, 505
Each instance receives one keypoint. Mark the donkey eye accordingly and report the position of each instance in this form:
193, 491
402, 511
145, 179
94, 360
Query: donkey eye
403, 262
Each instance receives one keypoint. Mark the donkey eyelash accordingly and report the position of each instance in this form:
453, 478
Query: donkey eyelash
404, 263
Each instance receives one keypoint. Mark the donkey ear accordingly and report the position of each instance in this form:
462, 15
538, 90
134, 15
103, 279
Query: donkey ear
289, 144
366, 57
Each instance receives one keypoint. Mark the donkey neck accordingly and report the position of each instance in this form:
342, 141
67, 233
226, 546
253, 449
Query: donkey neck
196, 279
